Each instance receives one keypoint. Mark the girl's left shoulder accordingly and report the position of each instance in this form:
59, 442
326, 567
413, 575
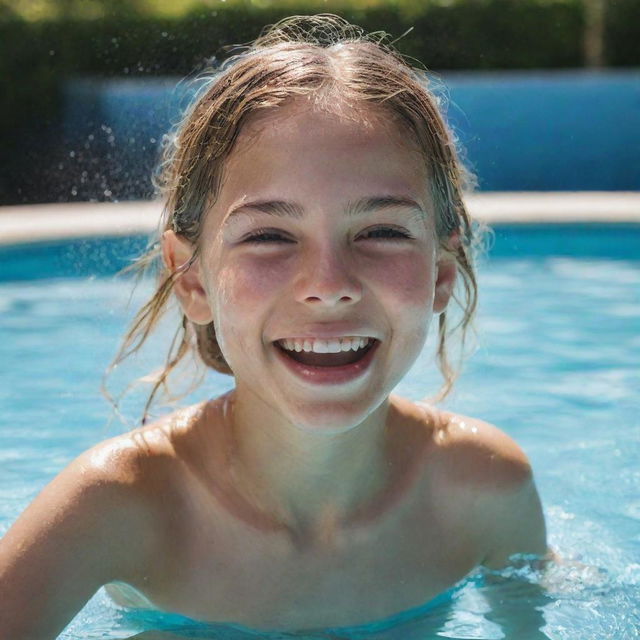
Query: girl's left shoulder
489, 476
478, 453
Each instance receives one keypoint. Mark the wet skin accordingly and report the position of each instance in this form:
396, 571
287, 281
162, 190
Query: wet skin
320, 270
431, 523
291, 502
323, 271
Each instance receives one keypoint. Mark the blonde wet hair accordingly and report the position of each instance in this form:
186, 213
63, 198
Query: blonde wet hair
320, 57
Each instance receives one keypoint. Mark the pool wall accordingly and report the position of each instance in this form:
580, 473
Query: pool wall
570, 130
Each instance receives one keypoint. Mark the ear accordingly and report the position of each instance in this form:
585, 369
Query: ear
176, 252
446, 277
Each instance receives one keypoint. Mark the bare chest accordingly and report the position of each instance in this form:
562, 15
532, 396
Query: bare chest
225, 569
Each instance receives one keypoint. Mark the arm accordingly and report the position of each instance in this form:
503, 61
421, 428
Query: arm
517, 522
83, 530
493, 476
517, 605
514, 524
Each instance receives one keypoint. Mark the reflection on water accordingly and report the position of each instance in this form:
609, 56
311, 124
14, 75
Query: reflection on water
556, 368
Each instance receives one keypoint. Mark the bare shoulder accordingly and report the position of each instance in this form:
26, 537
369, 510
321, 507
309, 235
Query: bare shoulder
145, 458
118, 491
488, 473
477, 453
94, 523
144, 467
109, 487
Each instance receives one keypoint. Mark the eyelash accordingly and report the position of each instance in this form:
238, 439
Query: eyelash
265, 236
398, 234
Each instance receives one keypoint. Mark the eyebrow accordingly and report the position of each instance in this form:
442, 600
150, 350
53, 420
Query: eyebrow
282, 208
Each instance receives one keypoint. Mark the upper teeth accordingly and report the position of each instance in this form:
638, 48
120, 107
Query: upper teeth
318, 345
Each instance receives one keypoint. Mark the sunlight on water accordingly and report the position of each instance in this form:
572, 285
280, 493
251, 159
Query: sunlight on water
556, 368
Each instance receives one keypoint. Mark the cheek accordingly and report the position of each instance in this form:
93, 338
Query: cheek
409, 290
241, 291
407, 278
242, 285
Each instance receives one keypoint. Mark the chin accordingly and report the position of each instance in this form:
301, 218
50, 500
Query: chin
332, 417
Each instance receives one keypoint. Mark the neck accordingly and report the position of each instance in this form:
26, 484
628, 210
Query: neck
305, 480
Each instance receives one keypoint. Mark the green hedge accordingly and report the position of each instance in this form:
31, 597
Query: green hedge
472, 34
467, 34
622, 33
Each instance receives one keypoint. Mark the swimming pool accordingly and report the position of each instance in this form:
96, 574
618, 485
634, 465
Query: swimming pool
557, 367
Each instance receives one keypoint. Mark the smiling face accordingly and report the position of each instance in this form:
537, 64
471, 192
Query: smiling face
321, 238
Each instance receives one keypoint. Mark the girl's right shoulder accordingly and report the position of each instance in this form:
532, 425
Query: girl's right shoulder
146, 468
112, 491
99, 520
144, 459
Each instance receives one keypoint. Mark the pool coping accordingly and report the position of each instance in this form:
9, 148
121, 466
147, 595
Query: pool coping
58, 221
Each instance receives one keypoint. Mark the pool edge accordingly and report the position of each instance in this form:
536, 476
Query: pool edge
58, 221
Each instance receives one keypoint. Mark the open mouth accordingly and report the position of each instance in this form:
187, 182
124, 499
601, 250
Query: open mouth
326, 353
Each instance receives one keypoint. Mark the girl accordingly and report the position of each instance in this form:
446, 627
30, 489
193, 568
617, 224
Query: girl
314, 227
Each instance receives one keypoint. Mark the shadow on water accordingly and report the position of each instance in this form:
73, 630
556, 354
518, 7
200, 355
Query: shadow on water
517, 608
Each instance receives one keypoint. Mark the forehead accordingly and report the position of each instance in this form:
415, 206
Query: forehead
316, 121
321, 157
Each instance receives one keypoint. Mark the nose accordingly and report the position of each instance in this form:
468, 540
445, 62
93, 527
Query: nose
327, 277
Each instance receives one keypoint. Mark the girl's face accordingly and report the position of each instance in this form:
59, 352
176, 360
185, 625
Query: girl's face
323, 230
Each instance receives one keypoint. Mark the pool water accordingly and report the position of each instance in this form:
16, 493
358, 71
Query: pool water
557, 367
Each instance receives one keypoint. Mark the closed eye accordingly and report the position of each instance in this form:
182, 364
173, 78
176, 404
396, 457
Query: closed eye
386, 233
264, 236
273, 236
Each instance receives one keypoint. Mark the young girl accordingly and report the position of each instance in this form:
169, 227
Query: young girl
314, 228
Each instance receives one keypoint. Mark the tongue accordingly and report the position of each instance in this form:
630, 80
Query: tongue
326, 359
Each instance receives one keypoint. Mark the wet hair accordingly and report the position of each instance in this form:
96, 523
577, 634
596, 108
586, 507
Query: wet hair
322, 58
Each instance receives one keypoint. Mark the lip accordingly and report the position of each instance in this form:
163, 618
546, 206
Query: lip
328, 332
341, 337
328, 375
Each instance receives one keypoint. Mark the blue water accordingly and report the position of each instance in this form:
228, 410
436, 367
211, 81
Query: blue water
557, 367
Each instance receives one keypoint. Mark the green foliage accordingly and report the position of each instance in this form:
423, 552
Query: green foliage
177, 37
466, 34
622, 33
